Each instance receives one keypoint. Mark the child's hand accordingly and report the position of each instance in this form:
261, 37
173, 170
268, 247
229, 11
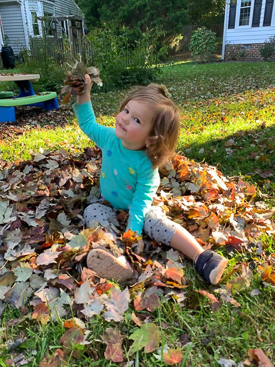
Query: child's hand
84, 97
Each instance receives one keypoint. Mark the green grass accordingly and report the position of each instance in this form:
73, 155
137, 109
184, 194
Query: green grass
228, 121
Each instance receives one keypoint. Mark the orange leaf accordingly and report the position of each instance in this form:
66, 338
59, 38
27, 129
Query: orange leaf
66, 98
199, 212
269, 275
174, 273
137, 303
260, 358
41, 313
172, 357
103, 288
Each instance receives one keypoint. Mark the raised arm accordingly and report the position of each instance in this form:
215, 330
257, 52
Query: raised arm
86, 117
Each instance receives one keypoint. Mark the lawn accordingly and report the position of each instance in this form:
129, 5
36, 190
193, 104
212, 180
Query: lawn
227, 121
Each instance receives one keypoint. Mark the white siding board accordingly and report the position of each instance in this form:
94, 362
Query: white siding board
249, 35
13, 25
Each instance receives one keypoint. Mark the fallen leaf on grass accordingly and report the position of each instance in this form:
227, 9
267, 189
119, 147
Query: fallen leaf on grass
116, 304
47, 257
41, 313
175, 274
268, 273
56, 360
72, 336
258, 356
113, 339
147, 337
172, 357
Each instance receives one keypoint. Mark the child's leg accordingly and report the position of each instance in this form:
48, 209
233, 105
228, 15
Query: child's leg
209, 264
102, 261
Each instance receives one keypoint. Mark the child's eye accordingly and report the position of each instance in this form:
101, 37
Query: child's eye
137, 120
126, 111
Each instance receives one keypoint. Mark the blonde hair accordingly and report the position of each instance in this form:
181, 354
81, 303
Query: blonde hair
163, 136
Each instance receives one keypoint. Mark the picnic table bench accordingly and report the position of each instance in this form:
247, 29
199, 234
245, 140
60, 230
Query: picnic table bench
6, 94
26, 96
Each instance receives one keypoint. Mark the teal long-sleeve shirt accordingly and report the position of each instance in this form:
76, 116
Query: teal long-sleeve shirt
127, 178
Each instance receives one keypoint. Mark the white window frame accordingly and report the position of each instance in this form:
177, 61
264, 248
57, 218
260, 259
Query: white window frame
238, 15
2, 37
38, 25
39, 11
273, 17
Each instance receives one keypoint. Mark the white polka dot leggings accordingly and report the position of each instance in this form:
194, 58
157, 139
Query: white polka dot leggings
156, 225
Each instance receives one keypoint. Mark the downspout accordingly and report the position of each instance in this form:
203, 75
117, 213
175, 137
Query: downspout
23, 13
227, 4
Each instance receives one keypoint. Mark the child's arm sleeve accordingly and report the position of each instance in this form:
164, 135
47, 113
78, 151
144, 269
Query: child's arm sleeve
147, 186
87, 122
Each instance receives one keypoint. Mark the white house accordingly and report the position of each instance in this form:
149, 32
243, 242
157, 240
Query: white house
22, 19
247, 25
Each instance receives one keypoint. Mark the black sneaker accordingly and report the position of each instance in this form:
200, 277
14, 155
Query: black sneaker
211, 266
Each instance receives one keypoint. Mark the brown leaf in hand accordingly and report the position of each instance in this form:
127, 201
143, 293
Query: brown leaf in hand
66, 98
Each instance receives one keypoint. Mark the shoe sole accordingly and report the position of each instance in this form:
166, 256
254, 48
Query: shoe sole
105, 265
216, 274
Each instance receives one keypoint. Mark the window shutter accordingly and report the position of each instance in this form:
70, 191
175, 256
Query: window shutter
257, 13
232, 15
268, 13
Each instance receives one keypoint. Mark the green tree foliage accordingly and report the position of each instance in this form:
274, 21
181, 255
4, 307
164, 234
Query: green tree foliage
167, 15
206, 13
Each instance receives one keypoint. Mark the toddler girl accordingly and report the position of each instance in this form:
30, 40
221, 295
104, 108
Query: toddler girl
144, 138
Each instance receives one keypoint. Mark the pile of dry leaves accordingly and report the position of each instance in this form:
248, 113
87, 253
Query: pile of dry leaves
43, 245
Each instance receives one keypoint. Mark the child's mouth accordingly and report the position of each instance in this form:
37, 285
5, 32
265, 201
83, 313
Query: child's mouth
121, 127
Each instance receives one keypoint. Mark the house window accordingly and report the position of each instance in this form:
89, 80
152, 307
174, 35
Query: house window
245, 10
35, 25
49, 24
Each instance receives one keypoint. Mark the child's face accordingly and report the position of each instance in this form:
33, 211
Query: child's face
134, 123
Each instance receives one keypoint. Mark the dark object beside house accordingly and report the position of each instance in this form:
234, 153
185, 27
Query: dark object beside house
8, 57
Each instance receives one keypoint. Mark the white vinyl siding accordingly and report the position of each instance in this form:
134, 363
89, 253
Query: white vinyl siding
247, 34
13, 25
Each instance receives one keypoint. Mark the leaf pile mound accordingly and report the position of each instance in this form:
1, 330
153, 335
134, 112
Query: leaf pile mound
43, 244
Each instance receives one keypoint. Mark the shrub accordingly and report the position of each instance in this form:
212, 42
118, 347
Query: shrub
235, 52
203, 44
268, 49
125, 60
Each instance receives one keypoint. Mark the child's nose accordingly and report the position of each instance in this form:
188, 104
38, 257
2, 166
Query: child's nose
125, 118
